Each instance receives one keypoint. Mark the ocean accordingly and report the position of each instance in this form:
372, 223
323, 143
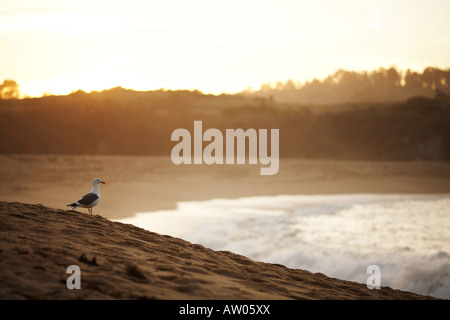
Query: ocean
406, 236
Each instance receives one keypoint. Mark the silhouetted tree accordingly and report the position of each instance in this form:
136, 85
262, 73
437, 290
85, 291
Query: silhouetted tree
381, 85
393, 78
9, 89
413, 80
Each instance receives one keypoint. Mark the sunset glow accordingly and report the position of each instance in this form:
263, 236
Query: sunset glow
213, 46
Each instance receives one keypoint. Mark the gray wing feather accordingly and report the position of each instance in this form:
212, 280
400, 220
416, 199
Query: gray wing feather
88, 198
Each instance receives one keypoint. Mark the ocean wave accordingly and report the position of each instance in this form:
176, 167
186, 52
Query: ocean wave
338, 235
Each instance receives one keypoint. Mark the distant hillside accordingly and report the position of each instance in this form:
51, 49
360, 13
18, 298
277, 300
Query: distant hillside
120, 261
119, 121
382, 85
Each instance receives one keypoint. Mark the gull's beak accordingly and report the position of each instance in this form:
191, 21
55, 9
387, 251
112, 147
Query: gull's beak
103, 182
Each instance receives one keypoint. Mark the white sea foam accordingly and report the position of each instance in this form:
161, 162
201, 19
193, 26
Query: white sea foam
407, 236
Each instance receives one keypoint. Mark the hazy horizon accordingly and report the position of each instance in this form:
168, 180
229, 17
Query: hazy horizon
400, 78
58, 47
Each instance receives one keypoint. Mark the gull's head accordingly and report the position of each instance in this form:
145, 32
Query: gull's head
98, 181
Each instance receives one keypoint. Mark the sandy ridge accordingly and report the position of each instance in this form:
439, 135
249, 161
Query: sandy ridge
121, 261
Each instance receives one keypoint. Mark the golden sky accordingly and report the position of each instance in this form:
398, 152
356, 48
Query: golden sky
58, 46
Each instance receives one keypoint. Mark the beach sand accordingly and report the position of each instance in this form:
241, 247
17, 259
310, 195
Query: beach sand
121, 261
149, 183
40, 237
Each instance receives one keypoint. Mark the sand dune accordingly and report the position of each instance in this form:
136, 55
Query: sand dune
121, 261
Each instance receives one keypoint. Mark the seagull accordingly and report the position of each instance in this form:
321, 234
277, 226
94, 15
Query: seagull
91, 199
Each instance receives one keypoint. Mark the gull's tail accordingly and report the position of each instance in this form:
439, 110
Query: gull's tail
74, 205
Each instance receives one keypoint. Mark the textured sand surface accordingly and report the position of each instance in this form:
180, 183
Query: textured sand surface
121, 261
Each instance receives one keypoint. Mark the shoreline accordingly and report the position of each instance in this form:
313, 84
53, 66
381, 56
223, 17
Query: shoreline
152, 183
338, 235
